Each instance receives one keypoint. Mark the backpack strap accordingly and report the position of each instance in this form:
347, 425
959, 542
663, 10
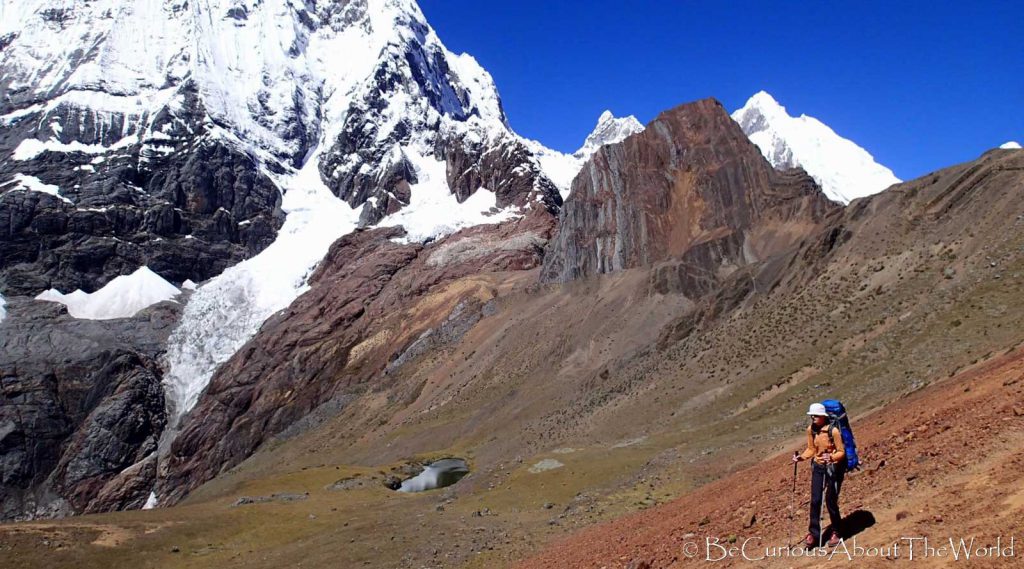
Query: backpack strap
833, 423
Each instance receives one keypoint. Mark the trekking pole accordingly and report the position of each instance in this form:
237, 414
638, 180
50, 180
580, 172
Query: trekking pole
821, 508
795, 453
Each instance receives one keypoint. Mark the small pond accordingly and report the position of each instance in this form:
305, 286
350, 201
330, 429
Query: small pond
438, 474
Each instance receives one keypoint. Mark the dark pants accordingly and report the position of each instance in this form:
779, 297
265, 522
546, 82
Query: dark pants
831, 484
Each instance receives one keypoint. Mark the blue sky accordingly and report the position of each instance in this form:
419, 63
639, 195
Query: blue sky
920, 85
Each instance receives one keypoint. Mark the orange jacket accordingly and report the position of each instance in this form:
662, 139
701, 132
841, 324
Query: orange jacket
818, 445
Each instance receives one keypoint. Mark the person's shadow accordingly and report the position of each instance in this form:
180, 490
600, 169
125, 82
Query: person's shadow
854, 523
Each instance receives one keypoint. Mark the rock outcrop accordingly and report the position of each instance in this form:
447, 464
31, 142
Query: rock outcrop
689, 187
81, 409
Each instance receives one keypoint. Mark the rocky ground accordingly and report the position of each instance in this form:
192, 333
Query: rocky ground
941, 463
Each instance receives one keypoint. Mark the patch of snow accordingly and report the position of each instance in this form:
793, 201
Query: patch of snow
559, 167
433, 212
33, 184
629, 442
31, 147
188, 285
122, 297
151, 502
438, 474
13, 116
844, 170
1011, 145
3, 308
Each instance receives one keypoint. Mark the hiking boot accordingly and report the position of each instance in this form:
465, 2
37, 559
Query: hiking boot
810, 540
833, 540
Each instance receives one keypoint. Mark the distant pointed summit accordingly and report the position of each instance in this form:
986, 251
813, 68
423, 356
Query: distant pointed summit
609, 130
562, 168
844, 170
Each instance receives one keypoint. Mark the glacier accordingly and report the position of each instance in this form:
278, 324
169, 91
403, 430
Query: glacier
433, 212
225, 312
844, 170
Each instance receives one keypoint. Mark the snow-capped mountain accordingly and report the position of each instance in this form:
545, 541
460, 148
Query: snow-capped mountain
187, 136
562, 168
230, 143
609, 130
1011, 145
844, 170
361, 90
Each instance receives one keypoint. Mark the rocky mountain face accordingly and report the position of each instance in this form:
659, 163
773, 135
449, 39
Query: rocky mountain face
690, 187
110, 157
368, 312
844, 170
170, 139
81, 409
376, 306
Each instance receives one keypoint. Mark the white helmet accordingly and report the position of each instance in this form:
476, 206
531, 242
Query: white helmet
817, 409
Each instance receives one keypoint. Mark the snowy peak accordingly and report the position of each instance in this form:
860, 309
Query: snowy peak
267, 72
1011, 145
562, 168
262, 78
609, 130
844, 170
760, 110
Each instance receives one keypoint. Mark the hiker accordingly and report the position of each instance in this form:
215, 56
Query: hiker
826, 450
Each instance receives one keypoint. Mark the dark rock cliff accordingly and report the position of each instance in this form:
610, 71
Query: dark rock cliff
185, 204
81, 409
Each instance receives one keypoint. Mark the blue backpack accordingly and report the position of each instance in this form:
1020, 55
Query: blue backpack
837, 418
